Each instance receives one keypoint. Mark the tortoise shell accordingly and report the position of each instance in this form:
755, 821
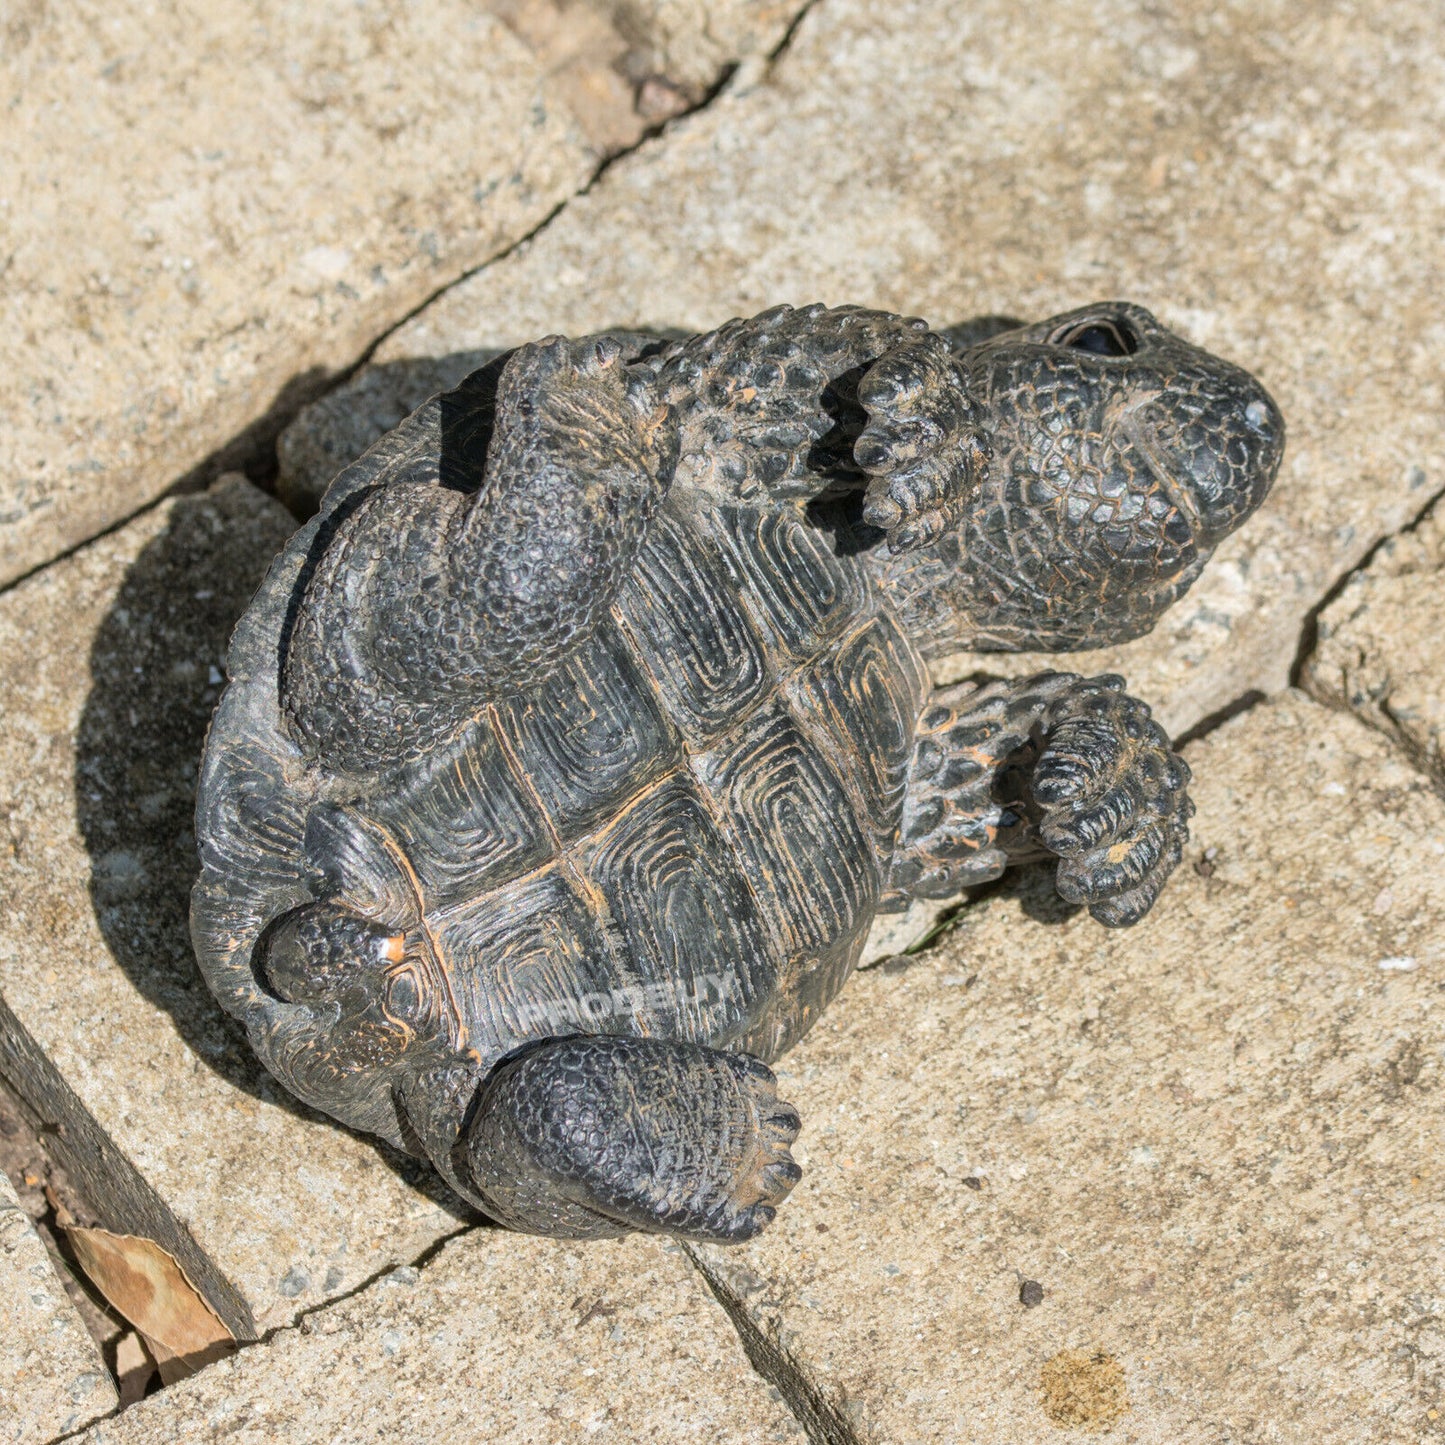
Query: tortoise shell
683, 832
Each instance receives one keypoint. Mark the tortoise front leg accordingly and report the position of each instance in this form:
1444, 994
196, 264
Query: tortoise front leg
590, 1136
922, 447
1055, 764
814, 404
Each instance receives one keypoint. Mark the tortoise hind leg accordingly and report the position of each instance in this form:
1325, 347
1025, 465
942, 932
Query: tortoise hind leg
592, 1136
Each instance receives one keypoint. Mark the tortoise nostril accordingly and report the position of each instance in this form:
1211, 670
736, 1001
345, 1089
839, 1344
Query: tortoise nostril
1257, 417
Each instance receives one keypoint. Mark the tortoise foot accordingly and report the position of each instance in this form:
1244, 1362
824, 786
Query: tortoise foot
1113, 803
764, 1173
596, 1135
920, 445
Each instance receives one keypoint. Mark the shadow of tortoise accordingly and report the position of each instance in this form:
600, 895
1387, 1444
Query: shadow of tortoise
155, 674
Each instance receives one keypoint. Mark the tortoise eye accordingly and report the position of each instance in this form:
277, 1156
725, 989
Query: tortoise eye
1100, 336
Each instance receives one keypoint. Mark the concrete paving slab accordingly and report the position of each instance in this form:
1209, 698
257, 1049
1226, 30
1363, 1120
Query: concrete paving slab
52, 1378
210, 208
500, 1338
1189, 1172
624, 68
110, 663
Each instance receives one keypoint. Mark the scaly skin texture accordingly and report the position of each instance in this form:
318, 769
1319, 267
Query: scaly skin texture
793, 403
1054, 765
1112, 476
571, 749
593, 1136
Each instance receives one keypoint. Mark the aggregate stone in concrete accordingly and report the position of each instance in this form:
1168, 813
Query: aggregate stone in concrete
1381, 643
500, 1338
52, 1378
691, 43
623, 68
1202, 1155
110, 664
1267, 177
210, 207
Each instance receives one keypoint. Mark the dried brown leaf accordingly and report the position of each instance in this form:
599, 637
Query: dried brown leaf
146, 1285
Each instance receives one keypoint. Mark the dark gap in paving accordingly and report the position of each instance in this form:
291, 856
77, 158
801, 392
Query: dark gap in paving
1419, 759
44, 1189
1310, 628
118, 1196
824, 1419
253, 451
1394, 734
790, 34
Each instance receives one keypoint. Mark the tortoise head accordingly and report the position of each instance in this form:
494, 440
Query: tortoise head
1118, 456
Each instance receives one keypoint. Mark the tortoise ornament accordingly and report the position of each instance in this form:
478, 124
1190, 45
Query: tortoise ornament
569, 753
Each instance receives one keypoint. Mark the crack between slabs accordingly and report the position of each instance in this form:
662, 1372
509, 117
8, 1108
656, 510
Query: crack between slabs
1310, 628
1217, 719
1391, 729
823, 1417
253, 449
1308, 641
300, 1324
1432, 768
726, 75
790, 34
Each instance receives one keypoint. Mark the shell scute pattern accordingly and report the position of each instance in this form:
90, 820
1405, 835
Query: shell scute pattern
590, 736
463, 818
670, 879
799, 843
791, 581
521, 957
574, 846
852, 703
568, 848
605, 940
682, 610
